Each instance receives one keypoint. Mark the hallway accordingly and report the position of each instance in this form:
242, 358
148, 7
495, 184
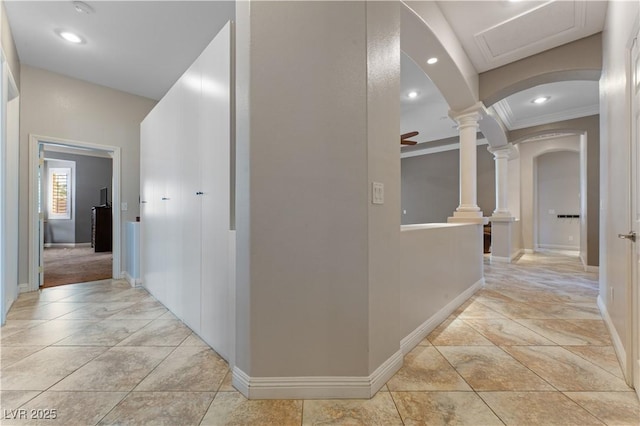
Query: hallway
530, 348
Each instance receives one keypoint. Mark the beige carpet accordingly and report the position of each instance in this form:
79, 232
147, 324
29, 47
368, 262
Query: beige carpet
75, 265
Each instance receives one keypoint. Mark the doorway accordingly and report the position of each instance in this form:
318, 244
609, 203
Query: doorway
40, 195
76, 185
558, 201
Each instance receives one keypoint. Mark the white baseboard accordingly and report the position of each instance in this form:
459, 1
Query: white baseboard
322, 387
500, 259
589, 268
23, 288
559, 247
134, 282
417, 335
615, 338
529, 251
516, 254
66, 245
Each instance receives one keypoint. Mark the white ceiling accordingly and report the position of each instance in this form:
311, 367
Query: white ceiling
140, 47
495, 33
568, 99
427, 113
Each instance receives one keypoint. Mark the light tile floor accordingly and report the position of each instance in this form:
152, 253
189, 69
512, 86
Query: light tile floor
528, 349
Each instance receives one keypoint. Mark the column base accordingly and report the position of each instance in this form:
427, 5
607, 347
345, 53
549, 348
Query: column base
468, 217
502, 218
502, 244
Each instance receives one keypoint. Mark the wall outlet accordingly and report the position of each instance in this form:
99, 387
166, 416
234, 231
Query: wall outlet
551, 211
404, 212
124, 207
570, 237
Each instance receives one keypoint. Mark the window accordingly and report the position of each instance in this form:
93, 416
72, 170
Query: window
60, 193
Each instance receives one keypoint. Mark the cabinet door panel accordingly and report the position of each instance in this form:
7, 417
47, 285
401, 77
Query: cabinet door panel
151, 209
190, 116
216, 178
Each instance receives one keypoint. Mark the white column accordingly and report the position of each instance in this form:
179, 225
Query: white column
468, 210
501, 156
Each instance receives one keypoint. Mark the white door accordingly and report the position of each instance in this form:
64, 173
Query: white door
634, 357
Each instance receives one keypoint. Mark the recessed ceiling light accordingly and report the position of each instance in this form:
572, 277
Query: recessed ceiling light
541, 99
432, 61
413, 94
70, 37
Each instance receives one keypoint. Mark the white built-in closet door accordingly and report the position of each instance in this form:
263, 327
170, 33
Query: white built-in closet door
172, 199
190, 116
186, 183
151, 207
216, 178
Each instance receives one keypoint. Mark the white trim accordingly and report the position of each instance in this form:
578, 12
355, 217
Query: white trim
321, 387
350, 386
615, 338
529, 251
23, 288
589, 268
417, 335
436, 149
499, 259
77, 151
559, 247
34, 238
385, 372
133, 282
67, 245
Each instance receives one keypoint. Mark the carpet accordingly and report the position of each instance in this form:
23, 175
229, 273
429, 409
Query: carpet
75, 265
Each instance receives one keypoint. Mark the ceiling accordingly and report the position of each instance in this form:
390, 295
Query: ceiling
495, 33
142, 47
139, 47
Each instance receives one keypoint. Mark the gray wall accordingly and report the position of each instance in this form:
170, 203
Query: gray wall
92, 173
430, 186
558, 181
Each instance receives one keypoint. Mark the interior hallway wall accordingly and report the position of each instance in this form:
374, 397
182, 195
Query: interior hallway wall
305, 167
558, 183
63, 107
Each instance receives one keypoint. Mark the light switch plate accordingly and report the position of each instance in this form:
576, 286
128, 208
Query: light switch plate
124, 207
377, 189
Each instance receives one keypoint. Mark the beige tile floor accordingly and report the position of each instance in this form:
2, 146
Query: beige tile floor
528, 349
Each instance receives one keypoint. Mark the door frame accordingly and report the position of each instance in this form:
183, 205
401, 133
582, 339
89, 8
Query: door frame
35, 241
633, 289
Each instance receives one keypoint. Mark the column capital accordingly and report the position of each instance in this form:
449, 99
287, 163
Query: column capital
507, 151
469, 116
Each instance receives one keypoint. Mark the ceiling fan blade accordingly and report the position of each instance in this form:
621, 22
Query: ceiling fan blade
406, 142
409, 135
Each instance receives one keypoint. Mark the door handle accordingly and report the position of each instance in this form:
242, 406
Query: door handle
165, 199
199, 193
630, 236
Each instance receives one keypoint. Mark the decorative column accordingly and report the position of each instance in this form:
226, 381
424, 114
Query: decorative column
468, 210
501, 156
503, 246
